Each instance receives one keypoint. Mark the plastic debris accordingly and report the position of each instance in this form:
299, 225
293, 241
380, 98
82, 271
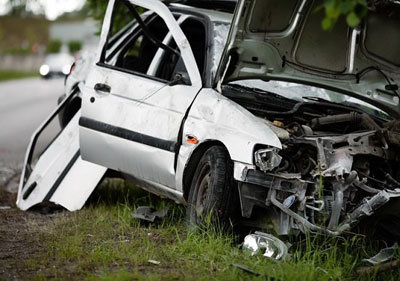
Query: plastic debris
148, 214
266, 244
384, 255
154, 262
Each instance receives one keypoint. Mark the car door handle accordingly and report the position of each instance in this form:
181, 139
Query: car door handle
99, 87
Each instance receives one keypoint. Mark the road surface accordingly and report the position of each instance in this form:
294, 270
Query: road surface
24, 104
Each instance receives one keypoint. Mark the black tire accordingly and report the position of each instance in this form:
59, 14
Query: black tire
213, 192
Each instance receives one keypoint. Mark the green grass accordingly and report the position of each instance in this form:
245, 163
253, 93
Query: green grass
12, 75
102, 242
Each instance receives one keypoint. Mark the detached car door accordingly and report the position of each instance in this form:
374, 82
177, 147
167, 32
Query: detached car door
131, 112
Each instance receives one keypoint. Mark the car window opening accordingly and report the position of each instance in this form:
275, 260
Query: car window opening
172, 65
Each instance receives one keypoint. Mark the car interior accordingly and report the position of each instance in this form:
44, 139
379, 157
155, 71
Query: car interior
137, 51
172, 65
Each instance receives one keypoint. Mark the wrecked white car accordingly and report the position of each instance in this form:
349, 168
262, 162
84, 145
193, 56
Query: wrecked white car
294, 127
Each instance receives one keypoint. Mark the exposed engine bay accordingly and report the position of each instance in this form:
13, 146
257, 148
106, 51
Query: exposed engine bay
338, 164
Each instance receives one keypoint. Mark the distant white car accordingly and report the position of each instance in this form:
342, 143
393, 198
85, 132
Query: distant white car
56, 65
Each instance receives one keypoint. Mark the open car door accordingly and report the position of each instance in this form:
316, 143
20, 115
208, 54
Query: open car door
59, 175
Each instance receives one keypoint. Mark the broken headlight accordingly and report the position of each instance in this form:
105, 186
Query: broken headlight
267, 159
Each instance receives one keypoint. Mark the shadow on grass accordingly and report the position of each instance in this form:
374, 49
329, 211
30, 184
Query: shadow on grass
113, 192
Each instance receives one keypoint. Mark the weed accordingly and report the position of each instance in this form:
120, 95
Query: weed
103, 242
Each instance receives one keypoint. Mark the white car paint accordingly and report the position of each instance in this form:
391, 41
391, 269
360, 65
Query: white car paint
73, 188
152, 109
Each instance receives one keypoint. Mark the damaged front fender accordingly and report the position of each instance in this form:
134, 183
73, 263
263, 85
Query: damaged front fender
214, 117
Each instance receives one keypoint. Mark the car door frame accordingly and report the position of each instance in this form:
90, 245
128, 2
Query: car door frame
173, 26
189, 61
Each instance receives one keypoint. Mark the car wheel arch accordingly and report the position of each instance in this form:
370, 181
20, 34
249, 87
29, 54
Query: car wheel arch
193, 161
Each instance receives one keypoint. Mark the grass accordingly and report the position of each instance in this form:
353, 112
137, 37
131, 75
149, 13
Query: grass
12, 75
102, 242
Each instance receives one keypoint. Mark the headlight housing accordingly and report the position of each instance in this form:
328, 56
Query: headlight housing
267, 159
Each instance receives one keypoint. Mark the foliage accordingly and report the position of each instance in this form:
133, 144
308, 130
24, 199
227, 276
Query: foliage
53, 46
12, 75
353, 10
17, 51
20, 7
97, 10
74, 46
122, 16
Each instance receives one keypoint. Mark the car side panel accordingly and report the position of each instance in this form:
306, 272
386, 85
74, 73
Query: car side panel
214, 117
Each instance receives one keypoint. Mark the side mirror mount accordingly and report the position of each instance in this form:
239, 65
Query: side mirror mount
180, 79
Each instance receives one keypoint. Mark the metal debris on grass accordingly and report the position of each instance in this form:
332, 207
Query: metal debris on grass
384, 255
148, 214
250, 271
246, 269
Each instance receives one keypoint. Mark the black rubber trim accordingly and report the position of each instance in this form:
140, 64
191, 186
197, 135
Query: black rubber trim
29, 190
127, 134
62, 176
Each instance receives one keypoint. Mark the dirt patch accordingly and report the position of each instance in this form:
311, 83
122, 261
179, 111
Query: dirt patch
18, 238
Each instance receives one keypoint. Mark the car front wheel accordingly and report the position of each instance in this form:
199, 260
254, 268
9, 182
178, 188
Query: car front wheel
213, 193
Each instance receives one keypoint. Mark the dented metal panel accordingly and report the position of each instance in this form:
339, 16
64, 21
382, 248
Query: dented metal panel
214, 117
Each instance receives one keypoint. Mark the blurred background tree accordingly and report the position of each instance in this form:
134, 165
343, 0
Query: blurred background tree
97, 10
353, 10
21, 7
53, 46
74, 46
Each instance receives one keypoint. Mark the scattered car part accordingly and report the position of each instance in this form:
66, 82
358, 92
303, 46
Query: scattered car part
250, 271
148, 214
265, 244
384, 255
246, 269
154, 262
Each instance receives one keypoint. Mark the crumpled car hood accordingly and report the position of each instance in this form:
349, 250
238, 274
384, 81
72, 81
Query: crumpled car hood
284, 40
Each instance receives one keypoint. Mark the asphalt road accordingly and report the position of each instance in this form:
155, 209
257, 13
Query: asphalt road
24, 105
